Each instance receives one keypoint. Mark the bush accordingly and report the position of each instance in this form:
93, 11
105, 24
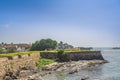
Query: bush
43, 62
62, 56
11, 50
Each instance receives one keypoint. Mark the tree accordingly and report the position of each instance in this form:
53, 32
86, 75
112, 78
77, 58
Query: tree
61, 46
1, 50
11, 50
44, 44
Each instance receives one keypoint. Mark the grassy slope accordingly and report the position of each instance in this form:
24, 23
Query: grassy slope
17, 53
43, 62
68, 51
31, 52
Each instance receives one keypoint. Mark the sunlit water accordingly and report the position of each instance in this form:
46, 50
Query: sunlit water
108, 71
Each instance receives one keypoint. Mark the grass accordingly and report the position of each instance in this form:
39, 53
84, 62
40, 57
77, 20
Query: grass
31, 52
51, 51
79, 51
43, 62
17, 53
68, 51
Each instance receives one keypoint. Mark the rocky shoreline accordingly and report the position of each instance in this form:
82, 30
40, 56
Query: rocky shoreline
71, 67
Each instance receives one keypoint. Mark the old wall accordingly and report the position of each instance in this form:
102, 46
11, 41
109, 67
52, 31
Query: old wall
94, 55
89, 55
17, 62
49, 55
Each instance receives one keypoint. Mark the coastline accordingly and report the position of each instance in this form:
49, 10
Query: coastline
69, 67
72, 65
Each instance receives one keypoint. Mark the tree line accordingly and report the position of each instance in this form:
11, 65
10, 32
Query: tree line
43, 44
49, 44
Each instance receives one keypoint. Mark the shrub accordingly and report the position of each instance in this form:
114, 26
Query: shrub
43, 62
62, 56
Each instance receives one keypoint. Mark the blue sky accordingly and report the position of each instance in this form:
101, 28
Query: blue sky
93, 23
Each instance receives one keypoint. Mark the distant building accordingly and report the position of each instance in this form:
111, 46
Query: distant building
23, 47
17, 47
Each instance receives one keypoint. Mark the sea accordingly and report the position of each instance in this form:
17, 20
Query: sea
107, 71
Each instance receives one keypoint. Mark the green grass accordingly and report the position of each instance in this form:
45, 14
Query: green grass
51, 51
31, 52
43, 62
17, 53
79, 51
68, 51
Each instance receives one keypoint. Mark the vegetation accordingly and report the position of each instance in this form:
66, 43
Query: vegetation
1, 50
17, 53
49, 44
62, 56
67, 51
10, 50
43, 62
61, 46
44, 44
60, 53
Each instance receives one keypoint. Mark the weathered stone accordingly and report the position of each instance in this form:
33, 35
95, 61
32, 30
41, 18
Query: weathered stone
75, 56
73, 71
8, 78
73, 66
85, 78
25, 62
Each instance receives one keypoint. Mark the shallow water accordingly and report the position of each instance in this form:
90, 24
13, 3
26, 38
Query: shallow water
108, 71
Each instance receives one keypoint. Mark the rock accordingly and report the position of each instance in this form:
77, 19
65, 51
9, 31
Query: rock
9, 73
85, 78
7, 78
27, 68
49, 73
10, 76
14, 76
73, 71
31, 79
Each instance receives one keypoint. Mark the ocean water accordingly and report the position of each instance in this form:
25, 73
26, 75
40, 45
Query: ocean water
108, 71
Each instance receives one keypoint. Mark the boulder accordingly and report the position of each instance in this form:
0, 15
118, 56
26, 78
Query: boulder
85, 78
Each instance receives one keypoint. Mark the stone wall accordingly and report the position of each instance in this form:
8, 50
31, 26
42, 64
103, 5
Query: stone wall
17, 62
49, 55
74, 56
94, 55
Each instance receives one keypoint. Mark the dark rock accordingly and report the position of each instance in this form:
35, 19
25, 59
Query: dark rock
14, 76
85, 78
10, 75
7, 78
73, 71
49, 73
31, 79
18, 73
27, 68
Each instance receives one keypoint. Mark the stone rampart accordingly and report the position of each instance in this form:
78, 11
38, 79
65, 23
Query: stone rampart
16, 62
